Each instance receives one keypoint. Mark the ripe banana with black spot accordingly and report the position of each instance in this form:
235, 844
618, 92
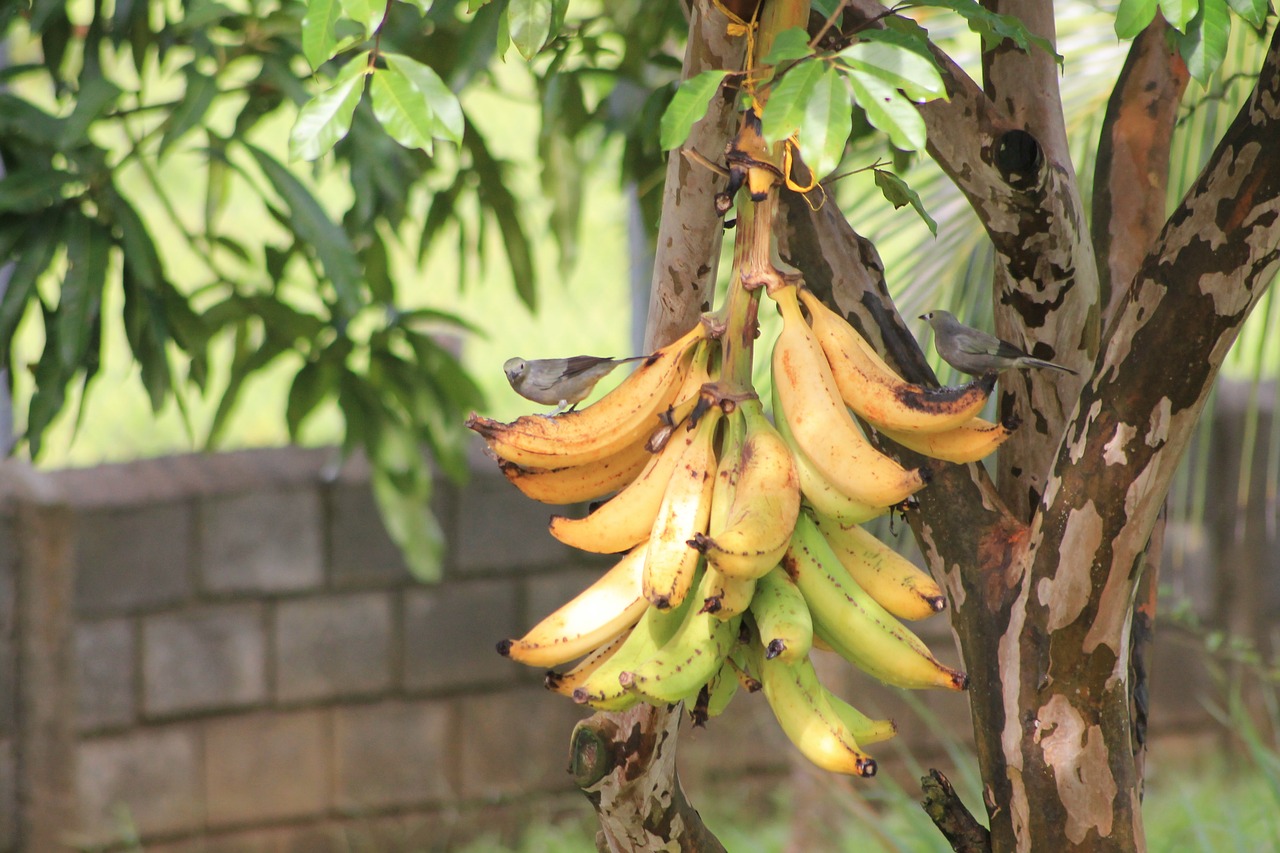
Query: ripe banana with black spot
819, 421
864, 729
578, 483
970, 441
601, 611
626, 415
566, 681
873, 390
686, 506
764, 506
854, 624
781, 617
891, 579
716, 694
799, 702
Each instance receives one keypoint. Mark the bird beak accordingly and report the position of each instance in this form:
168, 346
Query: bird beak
922, 316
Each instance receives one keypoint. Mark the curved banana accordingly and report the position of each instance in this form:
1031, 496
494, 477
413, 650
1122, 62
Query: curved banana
819, 421
877, 393
689, 659
625, 415
891, 579
627, 518
800, 704
969, 442
727, 596
686, 506
566, 681
864, 729
782, 617
601, 688
716, 694
765, 503
854, 624
815, 488
606, 608
579, 482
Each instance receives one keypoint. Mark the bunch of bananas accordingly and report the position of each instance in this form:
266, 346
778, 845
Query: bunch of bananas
740, 538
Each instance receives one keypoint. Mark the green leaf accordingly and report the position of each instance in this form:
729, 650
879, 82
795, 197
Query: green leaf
402, 487
196, 100
897, 65
136, 245
312, 384
423, 6
33, 190
495, 195
146, 333
474, 6
446, 111
889, 111
79, 298
1179, 13
687, 106
995, 28
784, 111
898, 193
95, 96
401, 109
318, 36
529, 23
1205, 43
40, 240
1253, 11
367, 13
325, 119
789, 44
313, 227
824, 129
1133, 16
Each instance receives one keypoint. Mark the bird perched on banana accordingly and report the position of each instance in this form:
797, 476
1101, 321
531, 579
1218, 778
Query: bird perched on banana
976, 352
560, 382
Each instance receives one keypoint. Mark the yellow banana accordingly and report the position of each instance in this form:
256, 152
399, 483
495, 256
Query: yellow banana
873, 390
800, 704
716, 694
854, 624
601, 688
565, 682
625, 415
689, 659
819, 421
815, 488
891, 579
627, 518
764, 506
864, 729
782, 618
606, 608
580, 482
686, 505
727, 596
969, 442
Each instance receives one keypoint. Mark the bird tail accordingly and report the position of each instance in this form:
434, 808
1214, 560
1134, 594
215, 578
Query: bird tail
1036, 362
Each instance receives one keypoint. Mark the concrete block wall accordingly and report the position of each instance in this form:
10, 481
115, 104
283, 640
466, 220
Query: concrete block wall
256, 669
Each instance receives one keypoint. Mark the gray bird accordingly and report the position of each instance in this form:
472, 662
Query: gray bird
560, 382
975, 352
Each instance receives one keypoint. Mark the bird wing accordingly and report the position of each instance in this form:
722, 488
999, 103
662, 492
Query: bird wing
577, 364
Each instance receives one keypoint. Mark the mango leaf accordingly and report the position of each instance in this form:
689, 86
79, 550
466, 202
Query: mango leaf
367, 13
1179, 13
995, 28
687, 106
80, 297
784, 111
33, 190
898, 193
326, 118
319, 38
446, 111
1205, 43
897, 65
404, 500
401, 109
196, 100
824, 129
313, 227
51, 383
889, 111
789, 44
39, 241
311, 385
1253, 11
495, 195
423, 6
95, 96
1133, 16
529, 24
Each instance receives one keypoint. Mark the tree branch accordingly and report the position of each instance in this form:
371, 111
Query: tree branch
1131, 176
958, 826
1068, 645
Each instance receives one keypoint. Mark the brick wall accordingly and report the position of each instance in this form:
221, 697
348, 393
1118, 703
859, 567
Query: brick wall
256, 670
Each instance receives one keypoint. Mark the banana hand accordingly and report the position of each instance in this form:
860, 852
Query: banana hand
890, 578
